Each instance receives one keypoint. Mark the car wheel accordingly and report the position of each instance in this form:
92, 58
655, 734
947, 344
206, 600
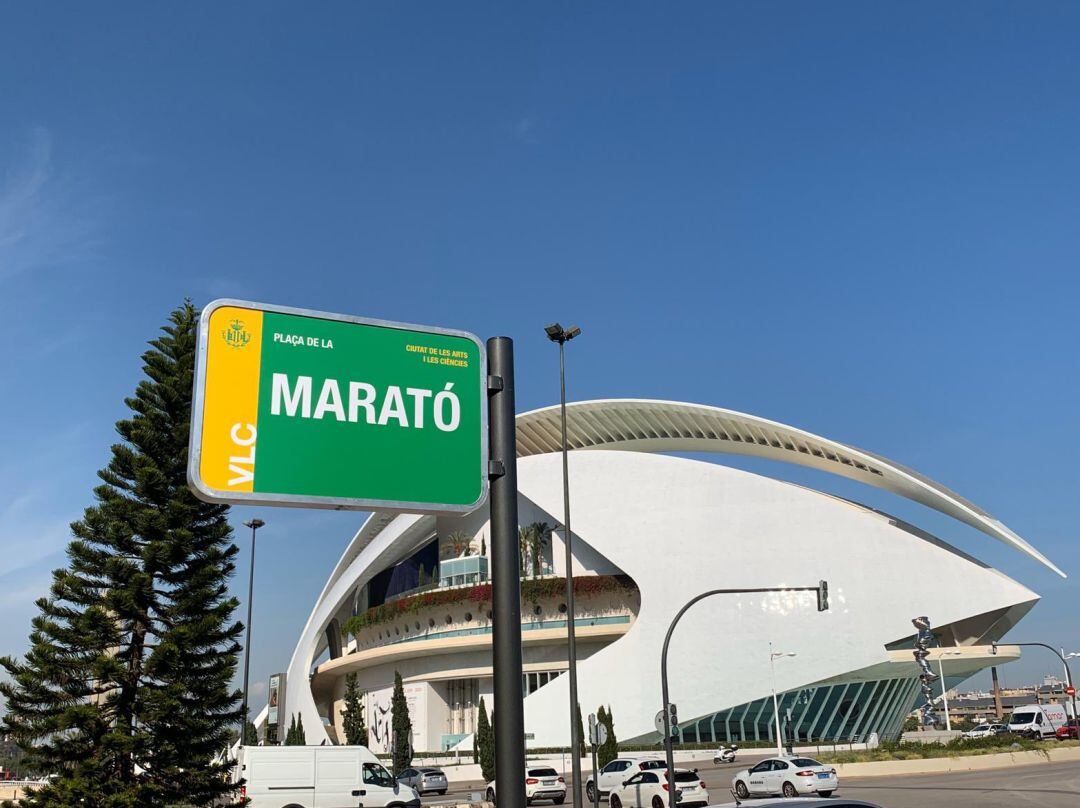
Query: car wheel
491, 795
528, 801
590, 792
789, 790
441, 792
741, 791
824, 793
615, 802
657, 802
560, 800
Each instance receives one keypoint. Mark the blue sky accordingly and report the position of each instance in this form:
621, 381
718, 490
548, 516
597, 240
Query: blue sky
860, 219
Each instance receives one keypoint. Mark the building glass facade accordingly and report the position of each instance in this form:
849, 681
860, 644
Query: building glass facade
834, 713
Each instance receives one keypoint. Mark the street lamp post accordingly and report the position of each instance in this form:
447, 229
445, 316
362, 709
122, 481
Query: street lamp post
1064, 661
556, 333
773, 656
944, 693
254, 524
822, 590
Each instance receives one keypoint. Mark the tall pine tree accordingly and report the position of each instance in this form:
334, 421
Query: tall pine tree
401, 727
125, 692
353, 713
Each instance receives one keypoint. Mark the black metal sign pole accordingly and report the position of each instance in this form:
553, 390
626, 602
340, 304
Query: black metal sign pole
505, 578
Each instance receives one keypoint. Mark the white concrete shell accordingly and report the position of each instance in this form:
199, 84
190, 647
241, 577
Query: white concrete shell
679, 527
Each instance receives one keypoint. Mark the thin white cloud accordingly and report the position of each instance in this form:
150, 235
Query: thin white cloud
524, 130
43, 220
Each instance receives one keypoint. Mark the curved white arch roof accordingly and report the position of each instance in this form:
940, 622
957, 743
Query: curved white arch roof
644, 425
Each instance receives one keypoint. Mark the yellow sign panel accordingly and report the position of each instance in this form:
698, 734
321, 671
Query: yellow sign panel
231, 406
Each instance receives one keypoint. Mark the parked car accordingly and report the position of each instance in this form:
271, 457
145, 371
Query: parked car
541, 783
649, 789
987, 730
1037, 720
789, 775
1069, 730
424, 779
618, 770
325, 776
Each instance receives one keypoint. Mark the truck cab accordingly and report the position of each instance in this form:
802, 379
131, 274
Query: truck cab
1037, 720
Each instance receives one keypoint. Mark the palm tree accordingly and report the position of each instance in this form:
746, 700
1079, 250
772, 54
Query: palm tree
460, 541
524, 543
539, 541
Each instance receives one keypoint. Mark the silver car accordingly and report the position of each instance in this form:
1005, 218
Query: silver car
424, 779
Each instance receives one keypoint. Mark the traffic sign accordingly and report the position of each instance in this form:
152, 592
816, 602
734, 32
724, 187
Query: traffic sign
1070, 691
306, 408
597, 734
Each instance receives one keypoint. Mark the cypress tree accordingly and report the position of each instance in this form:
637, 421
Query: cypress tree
485, 744
251, 735
125, 692
294, 735
609, 749
401, 727
583, 748
353, 714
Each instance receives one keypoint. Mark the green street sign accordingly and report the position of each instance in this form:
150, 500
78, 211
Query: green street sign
305, 408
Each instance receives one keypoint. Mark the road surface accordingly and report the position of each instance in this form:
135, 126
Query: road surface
1049, 785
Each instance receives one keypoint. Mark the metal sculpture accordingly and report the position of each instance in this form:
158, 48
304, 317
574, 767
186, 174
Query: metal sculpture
927, 677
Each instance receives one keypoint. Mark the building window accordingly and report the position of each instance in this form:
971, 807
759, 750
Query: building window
531, 682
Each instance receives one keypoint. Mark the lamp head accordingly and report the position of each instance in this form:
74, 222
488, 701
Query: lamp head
556, 333
254, 524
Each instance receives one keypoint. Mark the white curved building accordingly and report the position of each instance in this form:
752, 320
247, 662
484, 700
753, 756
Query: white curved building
652, 530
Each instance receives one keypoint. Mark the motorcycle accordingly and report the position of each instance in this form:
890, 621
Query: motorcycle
725, 754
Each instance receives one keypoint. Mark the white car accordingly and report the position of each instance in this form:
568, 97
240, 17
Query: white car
986, 730
649, 789
620, 769
541, 783
789, 775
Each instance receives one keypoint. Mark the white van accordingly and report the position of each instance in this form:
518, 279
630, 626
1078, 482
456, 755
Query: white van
1038, 720
319, 777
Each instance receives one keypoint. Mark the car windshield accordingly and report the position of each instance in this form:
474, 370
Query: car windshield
543, 773
374, 774
1022, 718
652, 764
804, 762
430, 771
685, 777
